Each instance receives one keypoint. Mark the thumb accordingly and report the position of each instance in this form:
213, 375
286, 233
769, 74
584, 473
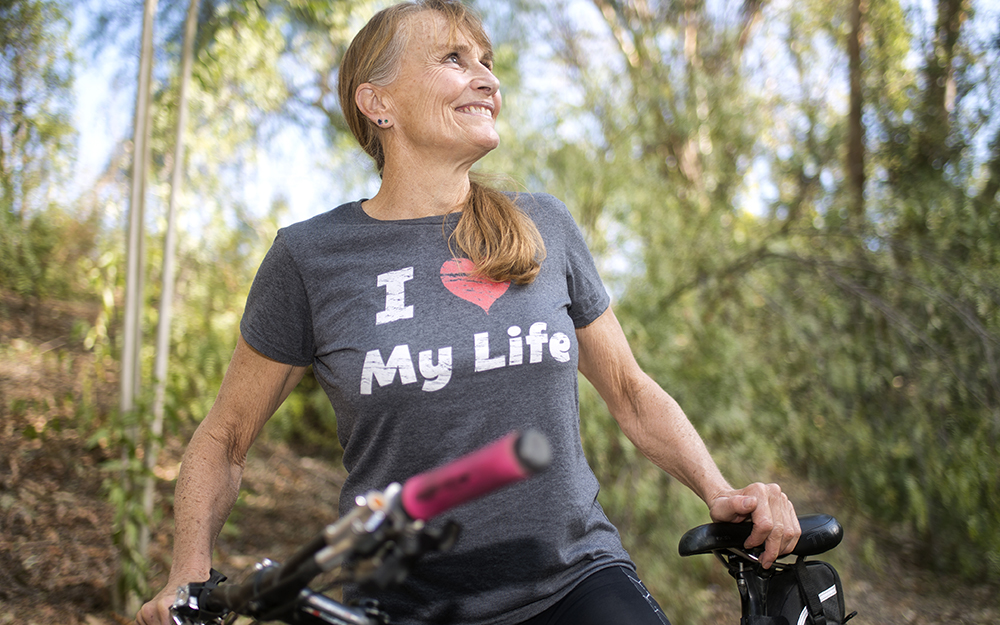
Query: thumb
733, 509
745, 504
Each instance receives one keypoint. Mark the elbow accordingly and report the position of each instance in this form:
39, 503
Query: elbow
625, 403
219, 445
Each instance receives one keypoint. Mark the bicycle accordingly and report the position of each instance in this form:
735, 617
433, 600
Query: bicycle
784, 594
385, 534
374, 545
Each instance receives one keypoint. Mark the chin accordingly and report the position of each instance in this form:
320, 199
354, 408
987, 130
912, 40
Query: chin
487, 149
491, 142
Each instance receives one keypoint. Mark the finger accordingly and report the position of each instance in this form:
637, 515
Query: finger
733, 509
792, 528
769, 519
762, 516
773, 545
155, 612
784, 531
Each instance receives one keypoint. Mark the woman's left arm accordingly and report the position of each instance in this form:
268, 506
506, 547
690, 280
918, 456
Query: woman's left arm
657, 426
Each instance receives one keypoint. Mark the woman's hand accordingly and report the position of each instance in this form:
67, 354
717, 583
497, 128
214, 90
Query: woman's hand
775, 523
157, 610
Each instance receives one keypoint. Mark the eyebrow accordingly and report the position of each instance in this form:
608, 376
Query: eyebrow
464, 48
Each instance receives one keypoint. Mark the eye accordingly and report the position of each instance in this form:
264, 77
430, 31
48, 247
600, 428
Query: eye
454, 57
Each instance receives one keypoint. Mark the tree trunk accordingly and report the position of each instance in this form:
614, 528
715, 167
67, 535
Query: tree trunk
986, 199
169, 261
855, 122
124, 599
939, 99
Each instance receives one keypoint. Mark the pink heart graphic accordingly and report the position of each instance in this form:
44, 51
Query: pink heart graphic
456, 277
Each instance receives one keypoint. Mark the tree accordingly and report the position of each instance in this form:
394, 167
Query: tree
168, 278
35, 141
851, 316
855, 124
127, 535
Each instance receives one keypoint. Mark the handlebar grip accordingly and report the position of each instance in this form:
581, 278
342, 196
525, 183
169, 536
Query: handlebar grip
233, 597
512, 458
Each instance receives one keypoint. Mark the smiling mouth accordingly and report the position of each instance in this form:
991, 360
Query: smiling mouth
475, 109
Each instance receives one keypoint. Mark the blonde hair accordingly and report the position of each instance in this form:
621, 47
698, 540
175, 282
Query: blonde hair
493, 232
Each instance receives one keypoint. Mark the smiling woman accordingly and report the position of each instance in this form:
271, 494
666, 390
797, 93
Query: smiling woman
444, 95
438, 316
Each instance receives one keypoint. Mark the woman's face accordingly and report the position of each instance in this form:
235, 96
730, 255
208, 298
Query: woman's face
445, 100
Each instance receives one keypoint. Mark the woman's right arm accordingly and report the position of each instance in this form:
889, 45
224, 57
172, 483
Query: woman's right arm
252, 389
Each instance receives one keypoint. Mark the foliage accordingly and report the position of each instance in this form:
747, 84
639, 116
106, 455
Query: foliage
36, 141
239, 88
899, 317
866, 349
124, 475
893, 359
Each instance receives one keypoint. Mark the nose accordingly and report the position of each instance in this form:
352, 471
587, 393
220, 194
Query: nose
485, 81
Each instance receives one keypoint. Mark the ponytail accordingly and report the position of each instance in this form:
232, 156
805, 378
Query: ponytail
498, 237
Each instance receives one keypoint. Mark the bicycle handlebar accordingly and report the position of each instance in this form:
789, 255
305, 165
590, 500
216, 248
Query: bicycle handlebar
510, 459
380, 518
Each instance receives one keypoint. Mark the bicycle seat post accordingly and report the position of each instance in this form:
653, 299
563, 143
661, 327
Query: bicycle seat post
750, 585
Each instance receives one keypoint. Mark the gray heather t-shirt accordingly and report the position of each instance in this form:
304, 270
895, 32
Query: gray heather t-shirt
424, 363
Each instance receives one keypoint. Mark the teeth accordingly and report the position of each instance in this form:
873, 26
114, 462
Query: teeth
479, 110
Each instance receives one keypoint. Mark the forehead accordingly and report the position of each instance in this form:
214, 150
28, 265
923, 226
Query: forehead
430, 31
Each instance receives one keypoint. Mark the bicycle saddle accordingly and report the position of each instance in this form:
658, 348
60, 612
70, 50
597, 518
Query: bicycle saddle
820, 533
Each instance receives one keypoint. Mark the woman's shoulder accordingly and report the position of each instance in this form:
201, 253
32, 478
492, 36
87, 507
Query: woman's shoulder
319, 224
528, 200
542, 206
547, 211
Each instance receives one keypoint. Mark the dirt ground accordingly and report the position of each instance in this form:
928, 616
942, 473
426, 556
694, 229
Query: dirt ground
56, 553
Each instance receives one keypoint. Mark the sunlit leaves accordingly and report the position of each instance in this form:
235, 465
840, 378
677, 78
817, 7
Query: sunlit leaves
856, 345
36, 141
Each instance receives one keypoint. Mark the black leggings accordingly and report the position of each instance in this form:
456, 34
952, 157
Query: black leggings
607, 597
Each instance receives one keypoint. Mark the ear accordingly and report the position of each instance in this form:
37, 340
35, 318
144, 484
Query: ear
372, 102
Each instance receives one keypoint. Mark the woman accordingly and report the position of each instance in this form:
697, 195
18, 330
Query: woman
439, 315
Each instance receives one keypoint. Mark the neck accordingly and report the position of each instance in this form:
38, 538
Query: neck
411, 190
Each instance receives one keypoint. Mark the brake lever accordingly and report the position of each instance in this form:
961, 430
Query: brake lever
187, 608
393, 564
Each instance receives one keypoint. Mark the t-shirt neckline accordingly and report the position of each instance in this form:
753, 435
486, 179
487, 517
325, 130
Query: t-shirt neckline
357, 214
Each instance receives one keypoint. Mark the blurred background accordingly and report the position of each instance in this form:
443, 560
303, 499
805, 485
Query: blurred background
793, 204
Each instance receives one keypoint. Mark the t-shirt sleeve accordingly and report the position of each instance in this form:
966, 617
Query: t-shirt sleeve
277, 321
589, 299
